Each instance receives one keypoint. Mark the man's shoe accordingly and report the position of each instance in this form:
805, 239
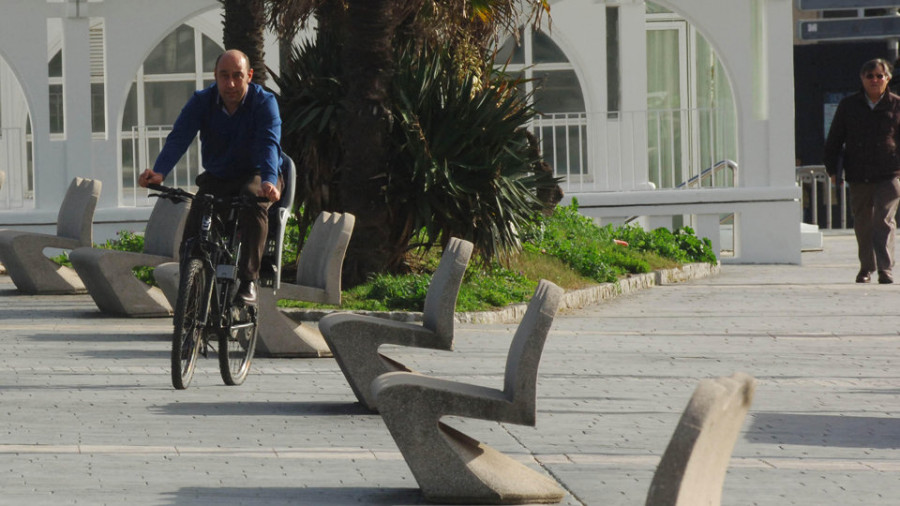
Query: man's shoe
863, 277
885, 277
247, 293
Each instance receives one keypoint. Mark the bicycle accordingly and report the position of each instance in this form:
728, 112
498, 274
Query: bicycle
206, 304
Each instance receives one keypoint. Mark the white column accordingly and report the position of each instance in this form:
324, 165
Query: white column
633, 69
77, 87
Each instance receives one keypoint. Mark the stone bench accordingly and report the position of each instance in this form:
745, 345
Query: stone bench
449, 466
22, 252
693, 467
354, 339
318, 280
108, 274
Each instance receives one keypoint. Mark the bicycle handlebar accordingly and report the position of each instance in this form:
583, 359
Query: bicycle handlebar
169, 192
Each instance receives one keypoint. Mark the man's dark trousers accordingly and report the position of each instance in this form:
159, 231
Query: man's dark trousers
254, 221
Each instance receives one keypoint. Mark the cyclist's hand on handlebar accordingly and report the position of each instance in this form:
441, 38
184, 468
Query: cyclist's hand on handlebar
269, 191
149, 177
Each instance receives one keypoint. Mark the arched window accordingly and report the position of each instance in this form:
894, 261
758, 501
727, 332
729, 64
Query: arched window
691, 123
57, 86
561, 123
17, 180
181, 63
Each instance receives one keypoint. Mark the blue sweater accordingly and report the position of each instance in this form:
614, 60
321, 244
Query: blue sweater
231, 146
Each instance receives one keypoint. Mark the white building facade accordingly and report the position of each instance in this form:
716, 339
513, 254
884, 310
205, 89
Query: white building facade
675, 112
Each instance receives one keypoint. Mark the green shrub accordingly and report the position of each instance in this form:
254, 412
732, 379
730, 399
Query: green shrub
586, 248
682, 245
405, 292
495, 286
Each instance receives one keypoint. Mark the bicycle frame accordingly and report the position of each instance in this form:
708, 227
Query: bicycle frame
218, 246
207, 289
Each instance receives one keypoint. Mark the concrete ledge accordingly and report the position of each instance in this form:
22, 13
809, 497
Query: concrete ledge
571, 300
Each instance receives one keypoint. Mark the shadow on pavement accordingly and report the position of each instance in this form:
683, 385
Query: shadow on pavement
262, 408
319, 496
96, 337
825, 430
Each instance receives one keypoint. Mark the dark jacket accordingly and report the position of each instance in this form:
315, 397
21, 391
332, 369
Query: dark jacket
865, 140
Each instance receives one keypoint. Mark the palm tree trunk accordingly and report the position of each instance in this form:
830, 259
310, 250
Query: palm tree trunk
244, 22
367, 62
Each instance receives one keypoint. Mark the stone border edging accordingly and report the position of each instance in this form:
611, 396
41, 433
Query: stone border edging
571, 300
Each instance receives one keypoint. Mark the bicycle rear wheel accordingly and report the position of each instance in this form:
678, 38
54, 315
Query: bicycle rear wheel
237, 344
188, 327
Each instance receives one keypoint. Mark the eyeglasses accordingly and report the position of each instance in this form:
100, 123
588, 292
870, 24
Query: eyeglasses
875, 76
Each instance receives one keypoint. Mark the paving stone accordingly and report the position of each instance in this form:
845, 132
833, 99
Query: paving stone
89, 415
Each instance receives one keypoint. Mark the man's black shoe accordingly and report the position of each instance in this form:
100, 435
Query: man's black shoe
885, 277
863, 277
247, 293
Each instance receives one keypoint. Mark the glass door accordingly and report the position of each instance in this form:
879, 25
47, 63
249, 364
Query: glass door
667, 102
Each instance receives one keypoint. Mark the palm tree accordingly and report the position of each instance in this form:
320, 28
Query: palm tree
368, 31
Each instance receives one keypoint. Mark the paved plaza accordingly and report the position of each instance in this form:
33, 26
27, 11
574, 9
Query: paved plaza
89, 415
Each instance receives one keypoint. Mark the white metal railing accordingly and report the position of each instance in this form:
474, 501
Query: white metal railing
625, 150
564, 144
821, 196
146, 143
15, 190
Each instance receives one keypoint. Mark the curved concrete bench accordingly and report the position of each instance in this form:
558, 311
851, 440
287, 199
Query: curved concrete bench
693, 468
108, 274
354, 339
22, 252
449, 466
318, 280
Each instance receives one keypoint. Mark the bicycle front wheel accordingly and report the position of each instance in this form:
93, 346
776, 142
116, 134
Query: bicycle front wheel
237, 344
188, 324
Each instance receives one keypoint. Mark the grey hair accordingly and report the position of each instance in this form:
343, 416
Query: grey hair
874, 64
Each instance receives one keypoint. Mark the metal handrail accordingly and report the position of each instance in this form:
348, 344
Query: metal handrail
709, 173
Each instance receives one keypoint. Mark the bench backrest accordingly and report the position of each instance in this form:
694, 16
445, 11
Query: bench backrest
165, 227
520, 381
440, 301
76, 213
322, 257
692, 470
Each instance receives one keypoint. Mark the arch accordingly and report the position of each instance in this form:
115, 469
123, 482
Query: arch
568, 152
155, 96
755, 48
15, 149
710, 37
141, 53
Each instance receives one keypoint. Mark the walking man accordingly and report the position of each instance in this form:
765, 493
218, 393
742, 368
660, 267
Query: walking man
863, 143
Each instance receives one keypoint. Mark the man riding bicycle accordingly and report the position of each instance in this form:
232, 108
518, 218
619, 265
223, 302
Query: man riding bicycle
240, 135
